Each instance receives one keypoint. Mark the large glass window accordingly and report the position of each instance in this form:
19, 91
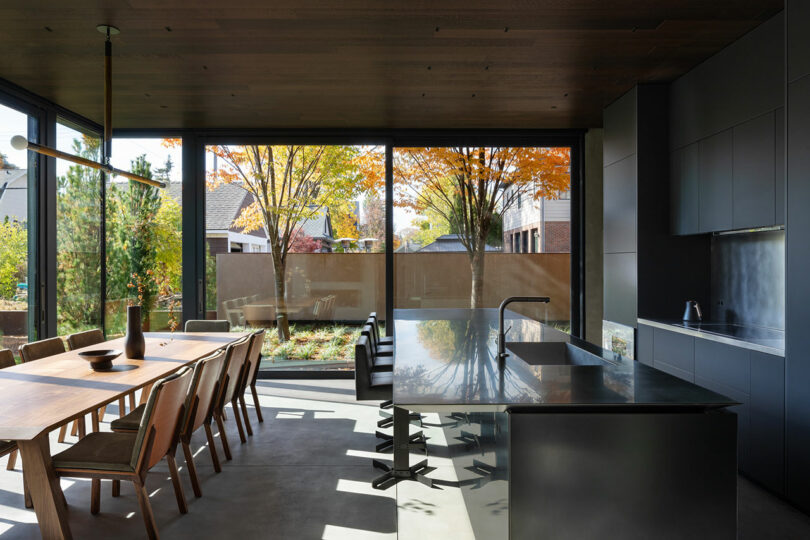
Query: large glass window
15, 300
462, 223
144, 235
295, 243
78, 233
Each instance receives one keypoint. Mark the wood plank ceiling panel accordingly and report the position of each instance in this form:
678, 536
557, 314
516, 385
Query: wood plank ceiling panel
361, 63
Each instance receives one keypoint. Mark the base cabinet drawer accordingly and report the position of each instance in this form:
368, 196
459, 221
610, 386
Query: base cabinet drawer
674, 353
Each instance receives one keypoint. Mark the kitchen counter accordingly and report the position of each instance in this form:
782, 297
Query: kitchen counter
446, 359
564, 430
755, 338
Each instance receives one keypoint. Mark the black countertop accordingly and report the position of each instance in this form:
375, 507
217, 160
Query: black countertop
446, 359
756, 338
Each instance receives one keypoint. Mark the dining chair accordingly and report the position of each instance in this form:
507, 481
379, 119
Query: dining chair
248, 378
129, 456
89, 338
382, 340
252, 379
37, 350
234, 364
198, 325
201, 394
382, 361
8, 448
7, 358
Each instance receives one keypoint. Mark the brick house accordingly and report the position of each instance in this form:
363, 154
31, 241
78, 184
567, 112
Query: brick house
541, 226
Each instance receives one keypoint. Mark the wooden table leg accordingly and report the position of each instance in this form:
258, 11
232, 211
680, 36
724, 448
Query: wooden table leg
46, 494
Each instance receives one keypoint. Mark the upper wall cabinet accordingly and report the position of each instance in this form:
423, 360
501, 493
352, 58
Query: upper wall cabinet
753, 185
684, 190
732, 180
715, 181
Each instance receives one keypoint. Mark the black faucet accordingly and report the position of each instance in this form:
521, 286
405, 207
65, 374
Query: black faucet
502, 354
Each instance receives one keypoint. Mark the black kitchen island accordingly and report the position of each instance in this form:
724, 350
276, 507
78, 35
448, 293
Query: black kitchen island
575, 441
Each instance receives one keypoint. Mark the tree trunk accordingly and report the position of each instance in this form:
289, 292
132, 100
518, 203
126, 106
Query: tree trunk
282, 320
477, 270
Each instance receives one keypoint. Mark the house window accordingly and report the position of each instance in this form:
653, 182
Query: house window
518, 200
525, 244
535, 241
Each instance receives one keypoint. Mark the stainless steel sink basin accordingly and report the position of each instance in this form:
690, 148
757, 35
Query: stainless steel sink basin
553, 353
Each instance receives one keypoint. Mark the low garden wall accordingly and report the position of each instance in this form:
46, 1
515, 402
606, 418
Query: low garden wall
422, 280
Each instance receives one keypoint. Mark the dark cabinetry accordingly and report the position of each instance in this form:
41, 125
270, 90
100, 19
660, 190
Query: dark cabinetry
755, 379
731, 180
715, 173
754, 190
674, 353
685, 190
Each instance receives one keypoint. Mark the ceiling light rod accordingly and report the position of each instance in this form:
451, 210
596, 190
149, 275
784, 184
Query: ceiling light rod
19, 142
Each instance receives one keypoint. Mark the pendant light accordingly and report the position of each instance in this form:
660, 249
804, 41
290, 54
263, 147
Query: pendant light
19, 142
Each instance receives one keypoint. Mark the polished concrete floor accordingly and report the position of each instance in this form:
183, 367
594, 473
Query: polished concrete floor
306, 473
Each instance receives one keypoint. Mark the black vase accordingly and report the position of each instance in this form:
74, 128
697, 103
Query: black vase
134, 343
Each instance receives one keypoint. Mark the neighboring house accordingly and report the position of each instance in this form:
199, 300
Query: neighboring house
14, 195
222, 206
448, 243
541, 226
320, 229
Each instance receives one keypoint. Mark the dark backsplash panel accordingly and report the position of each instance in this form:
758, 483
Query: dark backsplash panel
748, 278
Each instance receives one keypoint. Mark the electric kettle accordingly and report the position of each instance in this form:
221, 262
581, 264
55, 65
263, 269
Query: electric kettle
692, 312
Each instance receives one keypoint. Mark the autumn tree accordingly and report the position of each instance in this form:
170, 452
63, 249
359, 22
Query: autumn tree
290, 185
467, 188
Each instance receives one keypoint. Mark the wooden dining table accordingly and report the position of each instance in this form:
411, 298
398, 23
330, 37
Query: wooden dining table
37, 397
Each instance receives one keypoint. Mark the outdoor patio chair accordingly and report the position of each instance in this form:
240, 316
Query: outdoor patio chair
129, 456
201, 394
249, 376
196, 325
37, 350
87, 339
234, 365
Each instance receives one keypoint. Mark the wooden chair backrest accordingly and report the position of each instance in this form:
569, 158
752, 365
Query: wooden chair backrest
237, 354
85, 339
42, 349
6, 358
254, 359
207, 326
202, 391
159, 424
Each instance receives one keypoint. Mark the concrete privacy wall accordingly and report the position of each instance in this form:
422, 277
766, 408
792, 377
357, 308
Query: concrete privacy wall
427, 280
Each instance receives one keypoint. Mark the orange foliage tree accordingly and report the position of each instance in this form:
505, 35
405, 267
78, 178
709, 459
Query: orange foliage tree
467, 186
290, 185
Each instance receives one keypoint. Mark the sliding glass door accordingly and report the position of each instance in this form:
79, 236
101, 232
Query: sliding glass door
294, 239
476, 224
16, 176
144, 237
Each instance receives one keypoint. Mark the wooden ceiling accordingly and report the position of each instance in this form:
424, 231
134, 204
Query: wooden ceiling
361, 63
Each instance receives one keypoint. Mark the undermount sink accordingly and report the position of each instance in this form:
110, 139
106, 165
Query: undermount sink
553, 353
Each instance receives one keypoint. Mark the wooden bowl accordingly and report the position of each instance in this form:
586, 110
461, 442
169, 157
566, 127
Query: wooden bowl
101, 359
